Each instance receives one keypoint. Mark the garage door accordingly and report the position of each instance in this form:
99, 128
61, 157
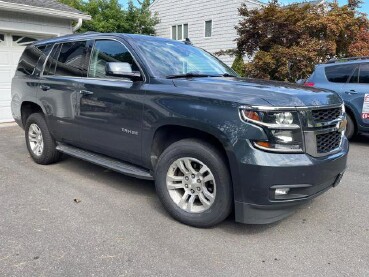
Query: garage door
11, 48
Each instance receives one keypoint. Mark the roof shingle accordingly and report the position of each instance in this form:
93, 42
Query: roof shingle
49, 4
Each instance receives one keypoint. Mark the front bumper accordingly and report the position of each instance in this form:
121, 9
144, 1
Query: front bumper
259, 172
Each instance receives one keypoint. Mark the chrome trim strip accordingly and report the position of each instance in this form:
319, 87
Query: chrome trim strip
294, 108
274, 150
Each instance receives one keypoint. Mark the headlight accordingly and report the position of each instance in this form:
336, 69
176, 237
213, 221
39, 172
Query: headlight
272, 119
282, 128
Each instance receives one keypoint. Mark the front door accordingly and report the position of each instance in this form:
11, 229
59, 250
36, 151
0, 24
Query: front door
110, 108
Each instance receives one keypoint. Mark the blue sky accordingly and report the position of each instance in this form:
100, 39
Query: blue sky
364, 8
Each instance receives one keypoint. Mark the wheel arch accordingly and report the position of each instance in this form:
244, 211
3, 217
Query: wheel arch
167, 134
28, 108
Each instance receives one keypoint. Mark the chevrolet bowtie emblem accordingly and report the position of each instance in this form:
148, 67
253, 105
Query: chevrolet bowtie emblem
342, 125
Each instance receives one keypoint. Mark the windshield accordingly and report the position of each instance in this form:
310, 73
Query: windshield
168, 58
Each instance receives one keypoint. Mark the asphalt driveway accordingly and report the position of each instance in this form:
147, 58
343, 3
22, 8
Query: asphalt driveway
117, 227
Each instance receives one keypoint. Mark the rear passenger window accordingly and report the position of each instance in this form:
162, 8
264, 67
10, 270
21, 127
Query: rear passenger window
40, 63
52, 60
364, 74
339, 73
72, 59
28, 60
355, 76
68, 59
108, 51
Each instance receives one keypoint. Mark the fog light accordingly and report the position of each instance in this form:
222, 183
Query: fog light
282, 191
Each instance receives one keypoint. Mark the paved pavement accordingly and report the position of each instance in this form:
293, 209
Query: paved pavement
119, 228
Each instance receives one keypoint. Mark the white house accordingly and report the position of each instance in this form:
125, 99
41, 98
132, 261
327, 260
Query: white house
209, 24
21, 23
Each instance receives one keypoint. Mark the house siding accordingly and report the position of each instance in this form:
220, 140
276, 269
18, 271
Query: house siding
224, 15
28, 23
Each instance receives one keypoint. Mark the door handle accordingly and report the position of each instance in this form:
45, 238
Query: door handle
45, 88
86, 92
351, 92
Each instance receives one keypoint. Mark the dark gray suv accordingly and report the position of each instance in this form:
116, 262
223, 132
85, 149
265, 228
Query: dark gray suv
167, 111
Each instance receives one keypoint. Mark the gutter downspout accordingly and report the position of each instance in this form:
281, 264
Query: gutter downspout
78, 25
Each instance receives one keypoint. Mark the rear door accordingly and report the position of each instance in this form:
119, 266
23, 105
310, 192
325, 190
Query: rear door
110, 108
355, 91
59, 88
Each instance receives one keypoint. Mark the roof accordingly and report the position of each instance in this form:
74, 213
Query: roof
51, 7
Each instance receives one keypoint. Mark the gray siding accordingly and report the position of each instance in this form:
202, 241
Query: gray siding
33, 24
224, 15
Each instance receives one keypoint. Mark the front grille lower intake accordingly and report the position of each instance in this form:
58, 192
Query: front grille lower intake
328, 142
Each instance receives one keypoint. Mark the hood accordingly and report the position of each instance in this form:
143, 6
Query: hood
258, 92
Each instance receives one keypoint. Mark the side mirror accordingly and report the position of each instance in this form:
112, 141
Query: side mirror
119, 69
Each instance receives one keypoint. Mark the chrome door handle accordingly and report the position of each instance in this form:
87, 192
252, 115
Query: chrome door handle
86, 92
45, 88
351, 92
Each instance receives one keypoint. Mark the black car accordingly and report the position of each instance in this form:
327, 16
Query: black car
167, 111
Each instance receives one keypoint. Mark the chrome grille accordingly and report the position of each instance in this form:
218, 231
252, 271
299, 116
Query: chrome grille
322, 130
324, 115
328, 142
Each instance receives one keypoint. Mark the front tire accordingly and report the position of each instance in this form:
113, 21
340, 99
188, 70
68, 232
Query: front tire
40, 144
350, 128
193, 183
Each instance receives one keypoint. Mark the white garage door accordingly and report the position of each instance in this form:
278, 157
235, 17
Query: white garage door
11, 48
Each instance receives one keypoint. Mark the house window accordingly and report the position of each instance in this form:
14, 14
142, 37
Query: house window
180, 32
208, 28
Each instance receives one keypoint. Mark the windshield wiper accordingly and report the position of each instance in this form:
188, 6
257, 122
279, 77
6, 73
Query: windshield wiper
227, 75
189, 75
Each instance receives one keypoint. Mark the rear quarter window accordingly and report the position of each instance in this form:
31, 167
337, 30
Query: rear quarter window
28, 61
339, 73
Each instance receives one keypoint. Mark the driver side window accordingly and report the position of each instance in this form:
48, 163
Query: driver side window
106, 51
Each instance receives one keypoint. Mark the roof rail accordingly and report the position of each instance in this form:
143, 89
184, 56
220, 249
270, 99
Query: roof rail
187, 41
340, 60
90, 32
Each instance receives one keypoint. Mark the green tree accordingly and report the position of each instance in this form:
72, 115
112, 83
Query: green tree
286, 42
109, 16
239, 65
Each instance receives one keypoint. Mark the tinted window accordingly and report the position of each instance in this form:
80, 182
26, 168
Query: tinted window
355, 76
108, 51
52, 60
72, 59
364, 74
339, 73
28, 60
40, 63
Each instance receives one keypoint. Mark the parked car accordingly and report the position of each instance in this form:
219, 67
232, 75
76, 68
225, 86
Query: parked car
164, 110
350, 79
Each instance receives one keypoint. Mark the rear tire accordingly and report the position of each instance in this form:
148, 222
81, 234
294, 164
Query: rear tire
193, 183
40, 144
350, 128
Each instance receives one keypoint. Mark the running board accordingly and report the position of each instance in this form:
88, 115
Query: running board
104, 161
